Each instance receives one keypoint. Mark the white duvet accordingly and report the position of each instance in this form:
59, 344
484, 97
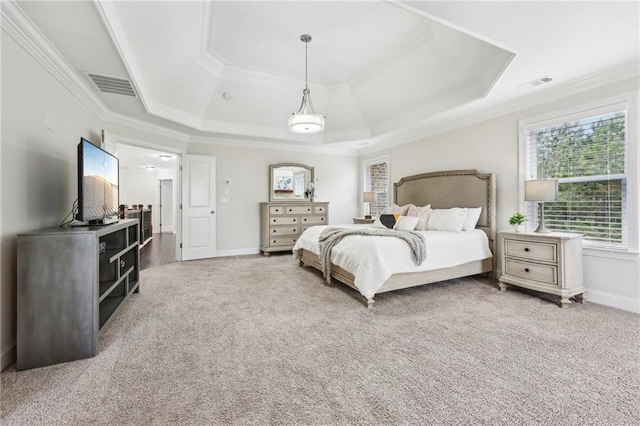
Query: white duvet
372, 260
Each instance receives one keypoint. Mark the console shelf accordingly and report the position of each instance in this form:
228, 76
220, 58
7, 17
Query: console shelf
71, 283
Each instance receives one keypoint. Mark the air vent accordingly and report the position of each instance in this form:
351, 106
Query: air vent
537, 82
107, 84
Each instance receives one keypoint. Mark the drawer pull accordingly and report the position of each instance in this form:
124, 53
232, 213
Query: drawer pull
322, 218
294, 240
526, 249
274, 231
305, 219
277, 210
526, 269
294, 220
274, 221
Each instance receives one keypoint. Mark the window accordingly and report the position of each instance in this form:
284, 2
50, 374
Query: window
376, 179
587, 153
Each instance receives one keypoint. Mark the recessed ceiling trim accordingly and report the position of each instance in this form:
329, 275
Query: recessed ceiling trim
421, 34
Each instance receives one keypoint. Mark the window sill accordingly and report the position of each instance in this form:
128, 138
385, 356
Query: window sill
611, 254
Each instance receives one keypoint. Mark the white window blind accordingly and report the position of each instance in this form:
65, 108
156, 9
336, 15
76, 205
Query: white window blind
588, 157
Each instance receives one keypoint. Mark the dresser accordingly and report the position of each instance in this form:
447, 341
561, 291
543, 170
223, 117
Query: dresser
550, 263
282, 222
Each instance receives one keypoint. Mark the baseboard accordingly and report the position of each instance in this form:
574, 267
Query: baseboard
8, 355
615, 301
237, 252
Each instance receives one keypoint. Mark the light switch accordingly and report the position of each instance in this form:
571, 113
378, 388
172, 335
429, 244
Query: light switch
224, 200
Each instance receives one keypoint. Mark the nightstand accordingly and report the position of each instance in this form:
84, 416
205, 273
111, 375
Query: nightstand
363, 220
550, 263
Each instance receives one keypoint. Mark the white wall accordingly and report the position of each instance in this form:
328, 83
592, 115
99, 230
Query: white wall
238, 222
39, 166
140, 186
492, 146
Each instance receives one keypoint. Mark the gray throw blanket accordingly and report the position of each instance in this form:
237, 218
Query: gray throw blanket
332, 236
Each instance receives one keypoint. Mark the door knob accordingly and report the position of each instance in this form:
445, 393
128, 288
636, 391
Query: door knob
213, 211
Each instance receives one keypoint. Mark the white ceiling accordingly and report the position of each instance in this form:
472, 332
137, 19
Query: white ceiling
375, 67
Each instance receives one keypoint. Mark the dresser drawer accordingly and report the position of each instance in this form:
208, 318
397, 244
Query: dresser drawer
531, 271
283, 220
276, 210
284, 230
319, 209
315, 220
299, 209
547, 252
283, 240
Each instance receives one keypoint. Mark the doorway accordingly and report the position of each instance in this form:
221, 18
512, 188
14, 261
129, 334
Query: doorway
166, 206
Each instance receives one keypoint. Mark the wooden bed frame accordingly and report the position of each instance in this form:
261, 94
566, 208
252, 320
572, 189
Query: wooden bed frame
457, 188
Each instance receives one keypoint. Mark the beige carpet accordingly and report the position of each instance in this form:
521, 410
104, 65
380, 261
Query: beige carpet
254, 340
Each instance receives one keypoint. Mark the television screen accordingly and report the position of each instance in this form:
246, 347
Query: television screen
98, 196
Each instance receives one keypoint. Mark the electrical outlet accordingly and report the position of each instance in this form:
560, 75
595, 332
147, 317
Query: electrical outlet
49, 121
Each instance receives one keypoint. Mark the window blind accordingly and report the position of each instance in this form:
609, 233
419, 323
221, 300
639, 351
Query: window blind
588, 157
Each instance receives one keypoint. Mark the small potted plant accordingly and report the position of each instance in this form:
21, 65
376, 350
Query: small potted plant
517, 220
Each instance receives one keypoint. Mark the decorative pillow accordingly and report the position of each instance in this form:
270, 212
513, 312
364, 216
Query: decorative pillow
406, 223
446, 219
394, 208
386, 221
471, 218
421, 213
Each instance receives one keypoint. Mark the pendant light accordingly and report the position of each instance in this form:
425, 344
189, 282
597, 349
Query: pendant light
306, 120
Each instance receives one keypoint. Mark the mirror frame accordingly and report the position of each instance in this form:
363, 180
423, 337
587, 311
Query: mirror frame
272, 168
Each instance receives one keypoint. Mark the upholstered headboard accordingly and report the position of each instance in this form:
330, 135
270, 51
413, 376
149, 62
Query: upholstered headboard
456, 188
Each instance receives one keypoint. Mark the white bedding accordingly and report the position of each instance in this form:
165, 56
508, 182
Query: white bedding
372, 260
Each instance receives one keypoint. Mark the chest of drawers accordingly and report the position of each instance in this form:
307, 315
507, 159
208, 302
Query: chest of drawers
281, 223
550, 263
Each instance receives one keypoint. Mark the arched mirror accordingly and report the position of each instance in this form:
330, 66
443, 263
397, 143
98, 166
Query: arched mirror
288, 181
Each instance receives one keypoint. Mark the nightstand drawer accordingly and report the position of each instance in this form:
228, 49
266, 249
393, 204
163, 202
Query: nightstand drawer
532, 251
316, 220
531, 271
282, 241
299, 210
276, 210
283, 230
283, 221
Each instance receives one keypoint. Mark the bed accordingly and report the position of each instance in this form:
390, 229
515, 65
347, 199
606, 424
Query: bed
443, 190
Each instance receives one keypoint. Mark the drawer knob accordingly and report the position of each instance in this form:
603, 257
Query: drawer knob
294, 220
294, 240
305, 219
274, 241
526, 249
277, 210
526, 269
274, 221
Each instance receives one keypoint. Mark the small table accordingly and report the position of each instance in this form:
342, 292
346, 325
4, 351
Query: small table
363, 220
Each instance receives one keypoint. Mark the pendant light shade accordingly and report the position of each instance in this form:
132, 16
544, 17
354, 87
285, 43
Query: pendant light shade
306, 120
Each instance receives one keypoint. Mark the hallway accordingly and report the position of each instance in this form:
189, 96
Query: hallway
159, 251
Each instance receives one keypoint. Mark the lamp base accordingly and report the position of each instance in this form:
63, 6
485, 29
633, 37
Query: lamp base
541, 229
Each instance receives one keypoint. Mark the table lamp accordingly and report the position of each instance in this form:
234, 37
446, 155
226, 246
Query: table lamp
541, 190
369, 197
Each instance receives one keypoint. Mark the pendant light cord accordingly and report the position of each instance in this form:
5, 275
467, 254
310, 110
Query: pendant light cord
306, 68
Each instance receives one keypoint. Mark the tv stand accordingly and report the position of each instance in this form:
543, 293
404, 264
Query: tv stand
71, 283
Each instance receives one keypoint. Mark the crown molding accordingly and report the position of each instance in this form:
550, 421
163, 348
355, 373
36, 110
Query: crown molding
30, 38
109, 17
280, 146
18, 25
460, 118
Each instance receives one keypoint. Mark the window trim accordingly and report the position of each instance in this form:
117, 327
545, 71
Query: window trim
370, 162
627, 102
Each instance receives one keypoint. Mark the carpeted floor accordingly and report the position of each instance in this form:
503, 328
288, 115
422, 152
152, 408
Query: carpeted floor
259, 340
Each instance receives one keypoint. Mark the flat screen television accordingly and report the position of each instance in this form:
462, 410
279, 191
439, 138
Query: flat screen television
98, 176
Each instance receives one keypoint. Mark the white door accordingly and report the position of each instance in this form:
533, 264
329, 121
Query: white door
166, 205
198, 206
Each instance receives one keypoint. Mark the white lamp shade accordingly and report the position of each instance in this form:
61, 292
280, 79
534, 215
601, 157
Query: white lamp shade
541, 190
306, 123
369, 197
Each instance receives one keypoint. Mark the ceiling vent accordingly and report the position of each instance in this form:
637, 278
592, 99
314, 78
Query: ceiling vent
537, 82
107, 84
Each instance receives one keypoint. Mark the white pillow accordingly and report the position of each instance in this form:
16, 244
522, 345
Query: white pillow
446, 219
421, 213
394, 208
406, 223
471, 218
